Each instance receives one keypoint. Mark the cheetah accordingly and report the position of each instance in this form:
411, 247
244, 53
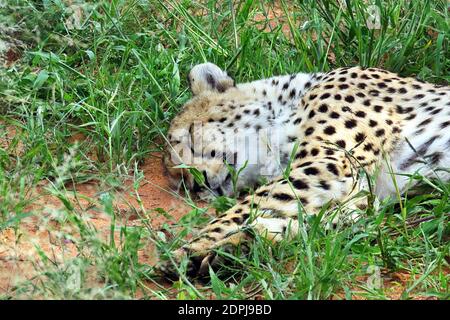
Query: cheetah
315, 137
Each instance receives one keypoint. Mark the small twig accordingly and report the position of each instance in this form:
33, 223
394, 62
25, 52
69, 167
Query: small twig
415, 223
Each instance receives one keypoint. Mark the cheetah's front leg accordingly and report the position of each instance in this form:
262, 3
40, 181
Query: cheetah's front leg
273, 209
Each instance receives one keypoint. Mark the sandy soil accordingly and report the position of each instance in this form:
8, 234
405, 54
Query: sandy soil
275, 16
18, 247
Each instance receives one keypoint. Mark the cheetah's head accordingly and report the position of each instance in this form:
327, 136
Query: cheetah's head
217, 134
193, 142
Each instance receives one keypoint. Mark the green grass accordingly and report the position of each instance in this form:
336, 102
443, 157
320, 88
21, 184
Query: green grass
118, 78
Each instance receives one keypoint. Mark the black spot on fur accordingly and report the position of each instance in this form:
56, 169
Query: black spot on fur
324, 185
298, 120
333, 169
330, 130
309, 131
349, 124
360, 137
350, 99
303, 201
360, 114
323, 108
346, 109
334, 115
391, 90
292, 94
445, 124
217, 230
341, 143
305, 164
380, 132
378, 108
435, 158
421, 151
283, 196
311, 171
435, 112
300, 185
263, 193
237, 220
425, 122
301, 154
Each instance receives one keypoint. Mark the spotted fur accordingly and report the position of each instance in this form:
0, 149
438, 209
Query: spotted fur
344, 122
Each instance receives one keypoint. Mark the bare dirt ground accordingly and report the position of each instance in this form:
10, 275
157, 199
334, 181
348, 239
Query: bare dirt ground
19, 247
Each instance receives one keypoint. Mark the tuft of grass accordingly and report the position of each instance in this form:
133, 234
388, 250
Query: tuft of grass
112, 72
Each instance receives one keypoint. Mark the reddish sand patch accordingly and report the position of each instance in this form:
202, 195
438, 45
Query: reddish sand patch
273, 17
392, 284
7, 134
18, 248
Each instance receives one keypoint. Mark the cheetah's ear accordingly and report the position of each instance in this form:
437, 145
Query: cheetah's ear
208, 76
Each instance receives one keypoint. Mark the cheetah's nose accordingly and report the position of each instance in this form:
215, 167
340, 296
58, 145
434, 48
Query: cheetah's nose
196, 187
197, 267
219, 191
